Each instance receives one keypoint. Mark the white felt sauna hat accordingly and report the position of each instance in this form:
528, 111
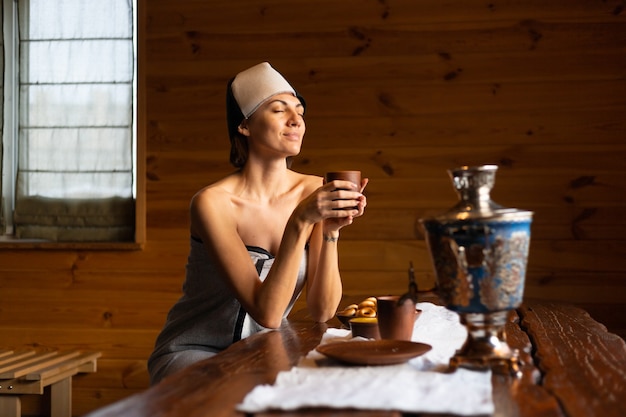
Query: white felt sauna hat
252, 87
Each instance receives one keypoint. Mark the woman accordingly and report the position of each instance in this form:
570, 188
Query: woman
259, 235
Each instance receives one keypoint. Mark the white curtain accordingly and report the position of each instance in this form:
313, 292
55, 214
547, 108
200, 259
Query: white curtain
75, 163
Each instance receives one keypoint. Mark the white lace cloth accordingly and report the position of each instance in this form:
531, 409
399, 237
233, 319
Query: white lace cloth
417, 386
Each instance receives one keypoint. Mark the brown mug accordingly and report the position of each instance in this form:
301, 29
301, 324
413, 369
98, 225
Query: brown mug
396, 321
352, 176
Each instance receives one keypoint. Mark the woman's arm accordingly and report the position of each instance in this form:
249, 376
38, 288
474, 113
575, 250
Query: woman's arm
324, 286
266, 301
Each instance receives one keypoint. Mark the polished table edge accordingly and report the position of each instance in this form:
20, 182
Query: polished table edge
572, 366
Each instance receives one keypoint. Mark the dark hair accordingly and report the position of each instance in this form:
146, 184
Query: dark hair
234, 117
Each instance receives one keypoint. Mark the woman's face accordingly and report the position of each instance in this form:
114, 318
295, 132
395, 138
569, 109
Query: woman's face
276, 127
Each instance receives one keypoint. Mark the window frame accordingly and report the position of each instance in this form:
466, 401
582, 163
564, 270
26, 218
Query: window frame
7, 242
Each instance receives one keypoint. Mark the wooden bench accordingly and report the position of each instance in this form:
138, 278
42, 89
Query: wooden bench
30, 371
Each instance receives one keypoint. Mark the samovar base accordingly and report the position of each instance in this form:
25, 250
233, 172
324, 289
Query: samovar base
486, 346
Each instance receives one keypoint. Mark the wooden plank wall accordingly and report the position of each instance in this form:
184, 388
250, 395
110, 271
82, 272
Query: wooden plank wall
402, 90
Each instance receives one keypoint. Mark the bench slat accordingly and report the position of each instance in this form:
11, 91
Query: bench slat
21, 359
33, 365
83, 362
13, 356
4, 353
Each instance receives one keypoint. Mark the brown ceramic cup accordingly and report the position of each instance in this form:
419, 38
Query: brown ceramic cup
352, 176
396, 321
366, 327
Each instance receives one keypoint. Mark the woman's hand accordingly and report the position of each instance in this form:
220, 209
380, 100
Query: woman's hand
348, 211
336, 203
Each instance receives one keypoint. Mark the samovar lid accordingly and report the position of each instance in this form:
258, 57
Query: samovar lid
473, 185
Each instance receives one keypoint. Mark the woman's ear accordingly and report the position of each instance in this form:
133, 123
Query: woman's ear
243, 128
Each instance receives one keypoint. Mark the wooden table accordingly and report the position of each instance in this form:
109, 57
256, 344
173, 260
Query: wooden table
574, 367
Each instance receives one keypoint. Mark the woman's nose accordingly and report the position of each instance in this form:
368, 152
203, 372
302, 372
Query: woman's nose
295, 119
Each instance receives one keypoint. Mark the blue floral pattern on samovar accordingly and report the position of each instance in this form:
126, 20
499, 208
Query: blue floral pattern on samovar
481, 266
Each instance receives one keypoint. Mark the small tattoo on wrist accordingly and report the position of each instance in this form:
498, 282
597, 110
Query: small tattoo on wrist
330, 238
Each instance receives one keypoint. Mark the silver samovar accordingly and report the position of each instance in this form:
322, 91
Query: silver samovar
479, 251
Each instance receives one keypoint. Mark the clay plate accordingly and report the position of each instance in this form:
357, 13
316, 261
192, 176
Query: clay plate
374, 352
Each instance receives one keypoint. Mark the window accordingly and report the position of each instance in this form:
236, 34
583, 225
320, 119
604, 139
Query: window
69, 115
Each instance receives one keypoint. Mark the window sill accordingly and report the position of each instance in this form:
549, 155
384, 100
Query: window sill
7, 242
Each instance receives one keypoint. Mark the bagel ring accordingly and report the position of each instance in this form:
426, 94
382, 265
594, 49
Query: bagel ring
367, 303
366, 312
349, 311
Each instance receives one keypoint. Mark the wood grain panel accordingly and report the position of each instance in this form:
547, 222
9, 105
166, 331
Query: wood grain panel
408, 97
435, 68
519, 160
167, 280
113, 343
158, 256
272, 15
356, 38
552, 127
88, 309
119, 374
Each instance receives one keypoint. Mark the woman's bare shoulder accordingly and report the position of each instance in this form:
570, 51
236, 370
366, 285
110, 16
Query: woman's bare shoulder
212, 205
216, 195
